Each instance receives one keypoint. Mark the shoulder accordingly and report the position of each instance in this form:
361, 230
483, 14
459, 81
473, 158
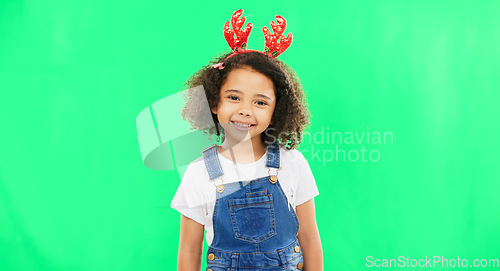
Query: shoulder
195, 169
292, 156
294, 161
297, 176
198, 164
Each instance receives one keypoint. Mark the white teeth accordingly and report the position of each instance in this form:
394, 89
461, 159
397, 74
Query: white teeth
241, 125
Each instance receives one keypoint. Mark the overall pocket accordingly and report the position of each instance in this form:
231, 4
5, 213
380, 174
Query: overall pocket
253, 218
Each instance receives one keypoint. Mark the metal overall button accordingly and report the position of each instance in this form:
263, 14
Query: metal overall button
220, 186
296, 249
273, 178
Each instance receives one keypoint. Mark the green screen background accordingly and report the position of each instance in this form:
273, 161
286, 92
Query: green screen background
75, 194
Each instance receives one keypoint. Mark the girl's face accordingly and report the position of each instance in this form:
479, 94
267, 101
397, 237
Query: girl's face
246, 105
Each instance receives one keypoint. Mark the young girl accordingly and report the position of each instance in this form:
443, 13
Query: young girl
233, 192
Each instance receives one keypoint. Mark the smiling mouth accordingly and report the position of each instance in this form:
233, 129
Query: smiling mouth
242, 125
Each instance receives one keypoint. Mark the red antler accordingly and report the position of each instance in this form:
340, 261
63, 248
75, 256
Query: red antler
273, 47
239, 42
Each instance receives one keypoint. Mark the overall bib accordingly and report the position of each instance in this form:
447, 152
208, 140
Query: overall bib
254, 226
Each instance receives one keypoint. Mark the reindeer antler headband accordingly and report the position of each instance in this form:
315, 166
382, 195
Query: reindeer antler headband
275, 43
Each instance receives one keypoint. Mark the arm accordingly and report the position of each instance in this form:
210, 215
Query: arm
190, 245
309, 237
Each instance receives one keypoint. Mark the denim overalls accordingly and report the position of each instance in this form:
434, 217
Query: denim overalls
254, 228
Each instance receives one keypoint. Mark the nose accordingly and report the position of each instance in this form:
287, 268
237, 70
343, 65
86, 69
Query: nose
244, 111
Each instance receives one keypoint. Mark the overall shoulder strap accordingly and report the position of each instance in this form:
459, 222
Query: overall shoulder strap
273, 156
212, 163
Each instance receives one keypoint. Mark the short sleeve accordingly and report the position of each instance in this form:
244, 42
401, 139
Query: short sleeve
188, 200
306, 187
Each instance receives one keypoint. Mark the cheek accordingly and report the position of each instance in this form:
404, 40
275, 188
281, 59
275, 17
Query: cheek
225, 110
266, 115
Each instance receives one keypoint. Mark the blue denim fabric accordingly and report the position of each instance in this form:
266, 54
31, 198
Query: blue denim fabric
212, 162
253, 227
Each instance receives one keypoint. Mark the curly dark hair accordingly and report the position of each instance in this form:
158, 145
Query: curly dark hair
290, 116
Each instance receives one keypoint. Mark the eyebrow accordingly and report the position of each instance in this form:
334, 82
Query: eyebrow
240, 92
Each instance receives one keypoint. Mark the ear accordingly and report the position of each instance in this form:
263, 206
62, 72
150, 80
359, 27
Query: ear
214, 110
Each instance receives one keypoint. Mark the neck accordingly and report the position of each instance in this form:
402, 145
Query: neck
243, 151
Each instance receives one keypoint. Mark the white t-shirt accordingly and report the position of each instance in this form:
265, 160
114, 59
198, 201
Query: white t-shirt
195, 198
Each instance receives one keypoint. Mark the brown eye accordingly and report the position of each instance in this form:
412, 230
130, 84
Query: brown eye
232, 97
261, 103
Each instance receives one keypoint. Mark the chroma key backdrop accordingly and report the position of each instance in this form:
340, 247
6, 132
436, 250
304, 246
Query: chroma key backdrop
403, 141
